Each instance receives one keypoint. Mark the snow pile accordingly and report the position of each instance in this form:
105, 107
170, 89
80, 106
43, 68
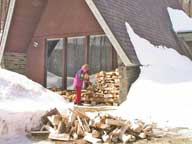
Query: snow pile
162, 92
180, 20
22, 103
53, 80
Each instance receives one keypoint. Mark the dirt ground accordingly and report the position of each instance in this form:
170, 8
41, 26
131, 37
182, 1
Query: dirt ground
161, 136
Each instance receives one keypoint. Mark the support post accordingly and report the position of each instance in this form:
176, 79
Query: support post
64, 64
86, 46
114, 59
6, 28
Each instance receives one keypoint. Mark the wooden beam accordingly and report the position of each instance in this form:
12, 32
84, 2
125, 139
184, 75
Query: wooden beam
64, 64
45, 62
6, 28
86, 46
109, 33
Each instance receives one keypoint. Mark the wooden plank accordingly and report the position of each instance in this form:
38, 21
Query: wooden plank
86, 46
109, 33
39, 133
7, 27
59, 137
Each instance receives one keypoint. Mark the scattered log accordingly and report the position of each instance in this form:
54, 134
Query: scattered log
103, 128
88, 137
39, 133
59, 137
114, 122
44, 118
61, 127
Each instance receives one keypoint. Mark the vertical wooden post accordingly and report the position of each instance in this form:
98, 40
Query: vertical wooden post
114, 59
190, 8
45, 62
1, 3
86, 46
64, 64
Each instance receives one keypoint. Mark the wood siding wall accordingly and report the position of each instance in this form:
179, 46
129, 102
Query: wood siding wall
187, 6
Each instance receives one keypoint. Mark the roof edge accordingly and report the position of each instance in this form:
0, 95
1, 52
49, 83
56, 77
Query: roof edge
109, 33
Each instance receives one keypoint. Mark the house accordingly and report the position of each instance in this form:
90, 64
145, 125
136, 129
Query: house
84, 31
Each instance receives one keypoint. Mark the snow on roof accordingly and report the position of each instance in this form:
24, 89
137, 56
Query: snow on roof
180, 20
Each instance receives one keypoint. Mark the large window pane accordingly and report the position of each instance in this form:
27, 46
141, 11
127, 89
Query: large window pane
54, 63
100, 53
75, 58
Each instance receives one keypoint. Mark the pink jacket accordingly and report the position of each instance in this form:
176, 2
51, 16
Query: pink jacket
78, 80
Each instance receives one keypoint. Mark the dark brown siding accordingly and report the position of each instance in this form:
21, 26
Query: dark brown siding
67, 18
149, 19
36, 61
25, 19
36, 20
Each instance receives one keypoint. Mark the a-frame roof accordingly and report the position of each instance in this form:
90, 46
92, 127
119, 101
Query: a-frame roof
149, 18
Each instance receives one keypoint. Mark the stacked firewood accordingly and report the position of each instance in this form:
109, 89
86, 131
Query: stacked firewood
103, 128
105, 91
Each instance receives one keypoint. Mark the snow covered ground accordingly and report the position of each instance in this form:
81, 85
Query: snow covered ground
163, 91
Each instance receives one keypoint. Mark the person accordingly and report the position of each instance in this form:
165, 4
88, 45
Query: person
80, 76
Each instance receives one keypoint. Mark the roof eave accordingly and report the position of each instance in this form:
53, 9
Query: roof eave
109, 33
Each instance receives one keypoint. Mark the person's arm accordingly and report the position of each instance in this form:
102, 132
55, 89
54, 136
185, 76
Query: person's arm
80, 75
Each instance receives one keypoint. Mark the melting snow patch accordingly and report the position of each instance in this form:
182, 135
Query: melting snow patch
180, 20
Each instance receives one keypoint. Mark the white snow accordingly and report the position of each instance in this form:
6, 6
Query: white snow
22, 103
180, 20
163, 91
53, 80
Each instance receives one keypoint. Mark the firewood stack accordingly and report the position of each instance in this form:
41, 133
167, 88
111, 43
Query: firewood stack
105, 91
103, 128
107, 86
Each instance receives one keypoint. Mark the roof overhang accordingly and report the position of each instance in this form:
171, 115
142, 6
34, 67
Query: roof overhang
109, 33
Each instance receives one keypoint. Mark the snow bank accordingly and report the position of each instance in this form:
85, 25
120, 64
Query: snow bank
180, 20
22, 103
162, 92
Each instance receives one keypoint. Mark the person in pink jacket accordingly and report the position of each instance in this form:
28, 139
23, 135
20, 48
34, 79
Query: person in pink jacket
80, 76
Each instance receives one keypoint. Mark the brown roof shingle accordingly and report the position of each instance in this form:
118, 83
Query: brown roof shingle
149, 19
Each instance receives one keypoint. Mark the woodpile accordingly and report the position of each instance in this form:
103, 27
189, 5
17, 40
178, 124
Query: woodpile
103, 128
105, 91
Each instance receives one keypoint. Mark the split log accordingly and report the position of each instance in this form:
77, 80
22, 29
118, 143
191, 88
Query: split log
61, 127
88, 137
59, 137
39, 133
114, 122
128, 138
95, 134
44, 118
142, 135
